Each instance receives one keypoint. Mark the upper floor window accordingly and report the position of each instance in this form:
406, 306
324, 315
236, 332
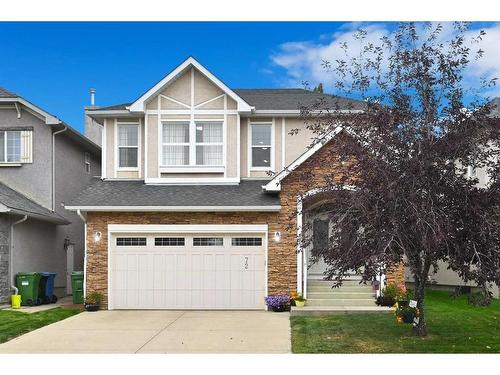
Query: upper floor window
87, 162
261, 146
15, 146
128, 145
198, 143
209, 143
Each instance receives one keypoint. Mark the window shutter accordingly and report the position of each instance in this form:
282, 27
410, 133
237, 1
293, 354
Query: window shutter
27, 146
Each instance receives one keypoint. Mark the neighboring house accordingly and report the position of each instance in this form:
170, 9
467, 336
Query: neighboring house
43, 163
186, 215
445, 278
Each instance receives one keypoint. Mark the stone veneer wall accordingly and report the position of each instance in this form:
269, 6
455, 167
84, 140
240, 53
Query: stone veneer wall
282, 256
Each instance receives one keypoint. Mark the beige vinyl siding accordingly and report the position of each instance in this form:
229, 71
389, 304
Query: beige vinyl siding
205, 90
297, 144
278, 147
244, 147
109, 123
232, 146
180, 89
152, 156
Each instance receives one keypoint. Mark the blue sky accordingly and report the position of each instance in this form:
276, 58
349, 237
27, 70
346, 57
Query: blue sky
54, 64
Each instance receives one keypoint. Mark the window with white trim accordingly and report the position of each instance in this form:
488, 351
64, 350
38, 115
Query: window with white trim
209, 143
10, 146
199, 143
128, 145
261, 146
87, 162
175, 143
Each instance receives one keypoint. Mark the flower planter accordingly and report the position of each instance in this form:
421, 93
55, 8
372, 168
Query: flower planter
300, 303
279, 308
408, 318
403, 303
92, 306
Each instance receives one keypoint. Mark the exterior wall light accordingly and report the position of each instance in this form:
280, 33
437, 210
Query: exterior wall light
277, 236
97, 236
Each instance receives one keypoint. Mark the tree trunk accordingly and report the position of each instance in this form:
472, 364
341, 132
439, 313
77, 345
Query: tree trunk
420, 328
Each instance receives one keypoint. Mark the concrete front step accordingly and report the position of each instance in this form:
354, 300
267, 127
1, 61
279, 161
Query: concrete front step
340, 302
330, 283
340, 295
326, 288
332, 310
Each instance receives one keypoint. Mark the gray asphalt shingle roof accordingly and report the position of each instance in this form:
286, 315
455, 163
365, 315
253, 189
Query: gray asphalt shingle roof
290, 99
4, 93
19, 204
279, 99
137, 193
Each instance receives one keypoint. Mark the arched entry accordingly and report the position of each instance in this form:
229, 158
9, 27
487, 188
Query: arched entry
314, 227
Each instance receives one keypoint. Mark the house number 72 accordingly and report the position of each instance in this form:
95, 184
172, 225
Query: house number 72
246, 263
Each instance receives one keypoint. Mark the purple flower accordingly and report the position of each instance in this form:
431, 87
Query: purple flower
277, 300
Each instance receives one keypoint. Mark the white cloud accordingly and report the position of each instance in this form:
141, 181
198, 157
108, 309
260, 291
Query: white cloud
302, 60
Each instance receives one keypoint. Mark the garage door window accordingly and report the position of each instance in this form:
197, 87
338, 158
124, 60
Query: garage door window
208, 241
169, 241
246, 241
131, 241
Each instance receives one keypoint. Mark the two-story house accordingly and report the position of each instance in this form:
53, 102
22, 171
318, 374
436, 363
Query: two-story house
43, 163
186, 214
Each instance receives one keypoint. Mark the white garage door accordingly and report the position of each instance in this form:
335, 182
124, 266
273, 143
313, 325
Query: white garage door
187, 271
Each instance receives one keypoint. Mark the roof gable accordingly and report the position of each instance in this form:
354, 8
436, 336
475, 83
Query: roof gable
139, 104
275, 183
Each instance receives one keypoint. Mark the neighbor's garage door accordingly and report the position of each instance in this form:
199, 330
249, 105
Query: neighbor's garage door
187, 271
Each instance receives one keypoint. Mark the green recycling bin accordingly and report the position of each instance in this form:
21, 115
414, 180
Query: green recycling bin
27, 284
77, 286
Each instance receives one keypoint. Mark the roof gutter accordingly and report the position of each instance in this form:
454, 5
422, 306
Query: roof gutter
11, 258
54, 166
269, 208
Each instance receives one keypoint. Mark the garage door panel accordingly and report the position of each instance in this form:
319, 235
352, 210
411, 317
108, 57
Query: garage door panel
180, 277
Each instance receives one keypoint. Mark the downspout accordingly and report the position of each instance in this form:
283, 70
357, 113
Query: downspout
79, 213
54, 166
11, 260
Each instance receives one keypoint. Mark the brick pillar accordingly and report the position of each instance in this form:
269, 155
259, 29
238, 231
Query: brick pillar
396, 274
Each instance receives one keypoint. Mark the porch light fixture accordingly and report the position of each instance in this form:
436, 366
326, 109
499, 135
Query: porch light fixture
277, 236
97, 236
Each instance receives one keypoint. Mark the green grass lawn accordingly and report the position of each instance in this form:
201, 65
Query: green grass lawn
16, 323
453, 327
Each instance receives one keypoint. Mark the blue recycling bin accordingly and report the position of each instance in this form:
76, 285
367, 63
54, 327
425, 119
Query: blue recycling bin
46, 291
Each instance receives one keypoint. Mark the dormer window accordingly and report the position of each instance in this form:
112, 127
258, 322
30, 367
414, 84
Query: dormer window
192, 144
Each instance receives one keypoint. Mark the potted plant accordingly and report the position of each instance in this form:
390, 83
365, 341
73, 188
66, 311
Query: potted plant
389, 296
406, 314
278, 302
299, 301
93, 301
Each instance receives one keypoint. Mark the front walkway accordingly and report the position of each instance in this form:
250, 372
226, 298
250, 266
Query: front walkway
160, 332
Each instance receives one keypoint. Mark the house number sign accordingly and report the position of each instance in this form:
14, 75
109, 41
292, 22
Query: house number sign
245, 265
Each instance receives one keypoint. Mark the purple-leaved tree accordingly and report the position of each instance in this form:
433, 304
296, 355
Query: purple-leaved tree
408, 153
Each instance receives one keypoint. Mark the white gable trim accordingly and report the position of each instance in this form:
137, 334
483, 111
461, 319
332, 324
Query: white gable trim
138, 105
38, 112
275, 183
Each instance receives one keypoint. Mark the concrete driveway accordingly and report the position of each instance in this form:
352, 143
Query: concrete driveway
160, 332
